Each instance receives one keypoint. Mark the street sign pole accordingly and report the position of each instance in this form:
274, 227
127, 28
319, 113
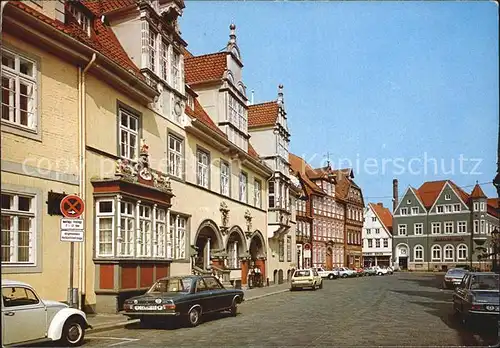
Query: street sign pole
72, 208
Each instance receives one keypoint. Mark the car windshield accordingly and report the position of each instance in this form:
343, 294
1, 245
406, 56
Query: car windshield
302, 273
171, 285
456, 272
484, 282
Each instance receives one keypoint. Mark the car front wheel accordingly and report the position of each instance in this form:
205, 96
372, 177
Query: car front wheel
194, 316
330, 276
234, 309
73, 332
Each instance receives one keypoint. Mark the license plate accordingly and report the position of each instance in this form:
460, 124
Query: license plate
491, 308
148, 308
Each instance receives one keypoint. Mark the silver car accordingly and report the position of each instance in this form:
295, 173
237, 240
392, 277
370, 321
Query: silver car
453, 278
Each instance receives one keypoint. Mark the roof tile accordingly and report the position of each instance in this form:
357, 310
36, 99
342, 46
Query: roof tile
264, 114
430, 190
200, 114
209, 67
477, 192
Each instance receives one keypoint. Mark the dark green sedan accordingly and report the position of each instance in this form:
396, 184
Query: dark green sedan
184, 297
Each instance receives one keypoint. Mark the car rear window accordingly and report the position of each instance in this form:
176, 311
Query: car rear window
302, 273
484, 282
456, 271
171, 285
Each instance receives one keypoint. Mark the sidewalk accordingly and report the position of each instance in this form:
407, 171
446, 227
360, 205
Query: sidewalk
104, 322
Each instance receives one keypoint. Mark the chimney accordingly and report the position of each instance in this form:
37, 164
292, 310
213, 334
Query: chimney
394, 194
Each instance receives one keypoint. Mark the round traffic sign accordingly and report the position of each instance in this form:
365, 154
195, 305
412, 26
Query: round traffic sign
307, 246
72, 206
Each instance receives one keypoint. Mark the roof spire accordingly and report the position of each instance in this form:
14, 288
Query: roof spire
280, 94
232, 34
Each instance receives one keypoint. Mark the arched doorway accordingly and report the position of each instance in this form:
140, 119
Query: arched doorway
329, 258
275, 276
280, 276
257, 252
235, 248
208, 239
402, 256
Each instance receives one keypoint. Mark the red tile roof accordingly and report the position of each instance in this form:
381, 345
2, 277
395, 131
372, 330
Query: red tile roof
103, 7
251, 151
477, 192
209, 67
102, 38
299, 166
264, 114
384, 215
430, 190
200, 114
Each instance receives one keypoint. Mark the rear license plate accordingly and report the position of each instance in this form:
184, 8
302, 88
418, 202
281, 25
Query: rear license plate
148, 308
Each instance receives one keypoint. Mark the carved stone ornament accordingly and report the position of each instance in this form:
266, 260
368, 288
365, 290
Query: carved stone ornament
142, 165
224, 214
245, 256
162, 182
218, 254
248, 218
125, 170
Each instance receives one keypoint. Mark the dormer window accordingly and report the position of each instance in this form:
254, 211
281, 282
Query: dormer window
447, 197
82, 19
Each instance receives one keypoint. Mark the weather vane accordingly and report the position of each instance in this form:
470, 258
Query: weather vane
327, 156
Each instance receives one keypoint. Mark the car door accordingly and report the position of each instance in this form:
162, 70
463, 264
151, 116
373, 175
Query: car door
201, 295
24, 317
219, 297
317, 278
461, 292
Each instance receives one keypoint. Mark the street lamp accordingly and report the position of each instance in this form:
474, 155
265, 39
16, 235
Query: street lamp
495, 240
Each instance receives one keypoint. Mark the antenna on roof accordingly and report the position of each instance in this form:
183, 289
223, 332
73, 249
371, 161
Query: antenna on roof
328, 159
251, 102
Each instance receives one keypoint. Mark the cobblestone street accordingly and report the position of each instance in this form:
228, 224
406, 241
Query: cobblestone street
403, 309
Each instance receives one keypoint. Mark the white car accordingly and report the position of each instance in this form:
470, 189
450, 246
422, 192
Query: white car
28, 319
323, 273
380, 271
345, 272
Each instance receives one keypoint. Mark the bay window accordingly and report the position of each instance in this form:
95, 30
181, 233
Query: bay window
19, 86
164, 60
141, 230
176, 67
18, 229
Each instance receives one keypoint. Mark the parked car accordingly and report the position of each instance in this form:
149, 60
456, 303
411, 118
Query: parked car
306, 278
370, 271
380, 271
26, 318
345, 272
390, 270
323, 273
453, 277
360, 272
477, 297
185, 297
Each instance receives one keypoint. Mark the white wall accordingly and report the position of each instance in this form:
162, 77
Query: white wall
369, 214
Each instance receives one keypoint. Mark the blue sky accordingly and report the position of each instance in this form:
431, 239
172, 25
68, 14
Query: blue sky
388, 86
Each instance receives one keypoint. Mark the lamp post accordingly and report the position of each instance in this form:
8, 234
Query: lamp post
495, 240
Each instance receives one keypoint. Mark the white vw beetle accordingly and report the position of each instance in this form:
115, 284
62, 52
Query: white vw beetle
28, 319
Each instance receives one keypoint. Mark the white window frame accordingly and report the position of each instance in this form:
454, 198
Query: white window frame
404, 211
402, 230
152, 51
160, 232
176, 69
202, 168
14, 233
447, 197
164, 62
16, 78
436, 228
129, 134
457, 207
377, 243
175, 156
105, 215
462, 226
377, 231
461, 248
418, 229
386, 242
257, 193
81, 19
243, 187
125, 236
144, 230
440, 209
178, 230
476, 226
418, 249
448, 227
434, 248
482, 206
476, 206
414, 211
370, 243
446, 248
225, 178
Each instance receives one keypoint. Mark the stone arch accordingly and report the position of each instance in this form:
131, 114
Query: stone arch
208, 234
275, 276
236, 233
257, 246
402, 255
280, 276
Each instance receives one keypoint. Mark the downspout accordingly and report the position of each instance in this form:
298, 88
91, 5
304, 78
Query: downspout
83, 171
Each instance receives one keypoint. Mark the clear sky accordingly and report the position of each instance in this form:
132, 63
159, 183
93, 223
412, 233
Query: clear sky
405, 90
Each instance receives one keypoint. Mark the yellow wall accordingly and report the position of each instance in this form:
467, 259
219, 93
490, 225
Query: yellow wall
56, 151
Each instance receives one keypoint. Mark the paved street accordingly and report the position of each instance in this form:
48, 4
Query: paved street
403, 309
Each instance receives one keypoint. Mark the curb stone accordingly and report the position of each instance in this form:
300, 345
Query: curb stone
112, 326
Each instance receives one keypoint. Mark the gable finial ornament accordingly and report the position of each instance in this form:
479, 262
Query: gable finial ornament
232, 34
224, 209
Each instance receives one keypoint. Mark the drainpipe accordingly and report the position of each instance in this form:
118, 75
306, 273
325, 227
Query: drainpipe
83, 170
